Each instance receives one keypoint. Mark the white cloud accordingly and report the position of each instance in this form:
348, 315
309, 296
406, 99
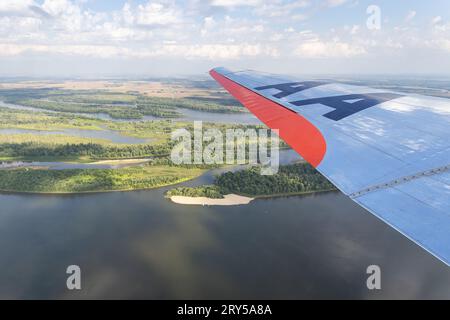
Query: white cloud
299, 17
355, 29
218, 51
439, 26
235, 3
280, 9
335, 3
290, 29
208, 24
206, 51
206, 30
14, 7
410, 16
59, 7
127, 14
152, 14
330, 49
436, 20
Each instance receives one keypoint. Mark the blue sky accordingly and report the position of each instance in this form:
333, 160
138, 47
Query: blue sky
170, 37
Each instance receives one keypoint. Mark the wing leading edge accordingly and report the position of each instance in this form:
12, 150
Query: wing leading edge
387, 151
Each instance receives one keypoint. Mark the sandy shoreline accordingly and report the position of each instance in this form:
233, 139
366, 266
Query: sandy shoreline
228, 200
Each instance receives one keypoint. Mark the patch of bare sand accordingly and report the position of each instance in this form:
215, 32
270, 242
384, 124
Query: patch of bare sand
228, 200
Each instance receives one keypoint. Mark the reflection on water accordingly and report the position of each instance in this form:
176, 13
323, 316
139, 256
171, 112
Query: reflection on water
140, 245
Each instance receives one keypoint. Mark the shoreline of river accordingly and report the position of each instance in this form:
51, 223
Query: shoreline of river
236, 199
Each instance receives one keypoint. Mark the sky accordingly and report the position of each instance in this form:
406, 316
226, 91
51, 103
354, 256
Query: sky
102, 38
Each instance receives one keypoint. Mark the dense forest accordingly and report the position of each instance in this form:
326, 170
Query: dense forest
209, 191
91, 150
295, 178
291, 179
145, 103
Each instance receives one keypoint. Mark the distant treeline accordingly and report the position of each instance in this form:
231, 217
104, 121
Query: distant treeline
117, 105
194, 103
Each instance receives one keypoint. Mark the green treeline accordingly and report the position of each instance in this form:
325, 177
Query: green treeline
295, 178
209, 191
291, 179
194, 103
91, 150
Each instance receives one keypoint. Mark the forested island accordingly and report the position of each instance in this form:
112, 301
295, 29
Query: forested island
93, 180
298, 178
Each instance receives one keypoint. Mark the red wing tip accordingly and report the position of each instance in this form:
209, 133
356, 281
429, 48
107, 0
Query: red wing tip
298, 132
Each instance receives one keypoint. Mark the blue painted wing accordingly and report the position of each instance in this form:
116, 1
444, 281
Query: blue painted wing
388, 151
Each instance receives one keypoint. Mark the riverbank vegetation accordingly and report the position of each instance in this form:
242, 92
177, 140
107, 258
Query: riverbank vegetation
93, 151
93, 180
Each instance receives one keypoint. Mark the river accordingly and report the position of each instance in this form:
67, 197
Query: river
140, 245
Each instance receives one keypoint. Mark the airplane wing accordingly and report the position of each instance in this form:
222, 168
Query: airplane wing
387, 151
